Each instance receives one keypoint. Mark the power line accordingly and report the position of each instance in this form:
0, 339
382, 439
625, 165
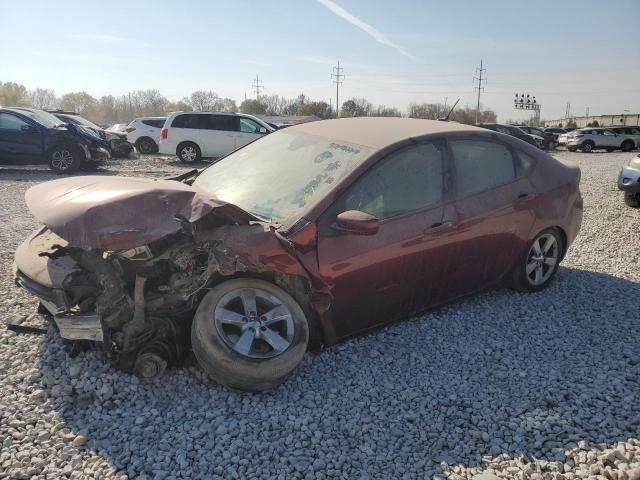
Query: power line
479, 88
257, 86
337, 77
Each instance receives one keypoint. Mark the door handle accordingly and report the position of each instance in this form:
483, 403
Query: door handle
523, 195
440, 226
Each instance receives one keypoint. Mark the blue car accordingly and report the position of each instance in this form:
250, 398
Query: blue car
629, 182
28, 135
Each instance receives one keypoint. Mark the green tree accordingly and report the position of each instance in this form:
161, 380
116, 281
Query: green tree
356, 107
253, 107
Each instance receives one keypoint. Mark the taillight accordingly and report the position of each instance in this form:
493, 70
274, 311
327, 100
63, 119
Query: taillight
163, 134
130, 129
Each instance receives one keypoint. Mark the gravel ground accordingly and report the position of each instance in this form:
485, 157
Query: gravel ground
511, 385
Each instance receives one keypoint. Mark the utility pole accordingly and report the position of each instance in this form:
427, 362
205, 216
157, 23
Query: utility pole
480, 88
587, 113
257, 86
567, 112
338, 76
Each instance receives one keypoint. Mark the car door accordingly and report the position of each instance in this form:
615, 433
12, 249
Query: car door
186, 128
20, 141
494, 214
383, 277
248, 131
609, 138
217, 134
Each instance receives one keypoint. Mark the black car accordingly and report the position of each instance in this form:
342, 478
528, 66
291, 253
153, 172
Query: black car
28, 135
119, 146
513, 131
550, 141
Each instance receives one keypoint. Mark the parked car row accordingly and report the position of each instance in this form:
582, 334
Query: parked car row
28, 135
629, 182
609, 139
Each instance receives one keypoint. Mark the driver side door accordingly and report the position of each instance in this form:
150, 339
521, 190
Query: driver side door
376, 279
19, 141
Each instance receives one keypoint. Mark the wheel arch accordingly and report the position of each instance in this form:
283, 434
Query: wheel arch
144, 137
299, 287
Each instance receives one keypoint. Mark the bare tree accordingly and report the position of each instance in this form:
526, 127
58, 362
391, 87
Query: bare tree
42, 98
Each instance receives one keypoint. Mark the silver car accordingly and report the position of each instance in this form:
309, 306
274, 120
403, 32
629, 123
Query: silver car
588, 139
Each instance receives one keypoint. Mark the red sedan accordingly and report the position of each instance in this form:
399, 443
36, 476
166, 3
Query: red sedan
299, 240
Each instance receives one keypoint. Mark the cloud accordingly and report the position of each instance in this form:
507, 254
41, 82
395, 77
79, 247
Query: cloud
371, 31
104, 38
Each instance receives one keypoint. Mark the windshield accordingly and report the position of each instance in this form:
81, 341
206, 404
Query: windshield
41, 117
78, 120
281, 174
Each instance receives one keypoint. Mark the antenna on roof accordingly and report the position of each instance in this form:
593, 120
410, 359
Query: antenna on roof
446, 119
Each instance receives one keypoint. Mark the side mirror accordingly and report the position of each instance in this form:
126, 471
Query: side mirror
263, 130
357, 222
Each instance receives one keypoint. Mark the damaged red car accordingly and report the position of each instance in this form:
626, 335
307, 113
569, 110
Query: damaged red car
297, 241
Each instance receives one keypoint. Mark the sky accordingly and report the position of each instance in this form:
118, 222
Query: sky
393, 52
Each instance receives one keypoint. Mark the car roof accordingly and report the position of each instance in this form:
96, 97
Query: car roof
378, 132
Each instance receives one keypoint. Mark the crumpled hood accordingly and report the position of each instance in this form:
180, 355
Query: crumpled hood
118, 213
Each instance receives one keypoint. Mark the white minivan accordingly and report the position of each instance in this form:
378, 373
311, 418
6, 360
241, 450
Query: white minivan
195, 135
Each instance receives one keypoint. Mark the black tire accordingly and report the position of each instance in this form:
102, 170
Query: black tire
220, 359
65, 159
572, 149
632, 199
627, 146
145, 145
521, 280
610, 149
587, 147
189, 152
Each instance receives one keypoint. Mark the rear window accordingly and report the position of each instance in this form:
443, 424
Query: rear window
157, 123
225, 123
186, 121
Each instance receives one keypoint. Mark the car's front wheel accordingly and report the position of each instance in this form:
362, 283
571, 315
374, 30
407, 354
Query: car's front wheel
189, 152
535, 270
249, 334
64, 159
572, 149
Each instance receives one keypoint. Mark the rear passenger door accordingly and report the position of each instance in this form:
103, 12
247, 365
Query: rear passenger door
19, 141
218, 135
494, 209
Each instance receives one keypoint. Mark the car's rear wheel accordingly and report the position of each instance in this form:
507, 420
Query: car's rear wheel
146, 145
535, 270
64, 159
627, 146
189, 152
586, 147
249, 334
632, 199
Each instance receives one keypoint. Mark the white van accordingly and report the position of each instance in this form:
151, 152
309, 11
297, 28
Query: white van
195, 135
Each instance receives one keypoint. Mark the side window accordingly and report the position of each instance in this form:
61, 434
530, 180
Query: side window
503, 130
249, 126
409, 180
608, 133
481, 165
11, 122
225, 123
634, 131
186, 121
154, 123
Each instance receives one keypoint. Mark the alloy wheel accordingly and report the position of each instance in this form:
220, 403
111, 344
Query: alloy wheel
254, 323
188, 154
542, 259
62, 159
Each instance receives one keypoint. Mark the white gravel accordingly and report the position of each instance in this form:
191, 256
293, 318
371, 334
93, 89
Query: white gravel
508, 385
